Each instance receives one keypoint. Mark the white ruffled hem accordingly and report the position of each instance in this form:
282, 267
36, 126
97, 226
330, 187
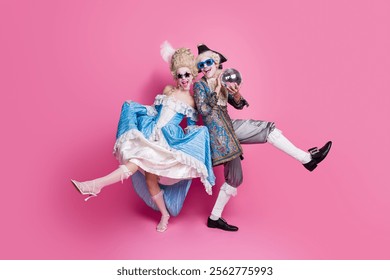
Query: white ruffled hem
182, 158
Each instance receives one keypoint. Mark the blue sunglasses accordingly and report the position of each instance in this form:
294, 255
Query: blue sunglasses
203, 64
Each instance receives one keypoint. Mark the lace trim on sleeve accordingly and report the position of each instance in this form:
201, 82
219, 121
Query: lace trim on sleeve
150, 110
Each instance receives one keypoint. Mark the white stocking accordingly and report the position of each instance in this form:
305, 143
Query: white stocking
94, 187
224, 195
278, 140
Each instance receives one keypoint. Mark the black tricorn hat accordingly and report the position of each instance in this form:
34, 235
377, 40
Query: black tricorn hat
203, 48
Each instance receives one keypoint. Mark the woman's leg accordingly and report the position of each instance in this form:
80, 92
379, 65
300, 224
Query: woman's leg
152, 183
158, 197
94, 187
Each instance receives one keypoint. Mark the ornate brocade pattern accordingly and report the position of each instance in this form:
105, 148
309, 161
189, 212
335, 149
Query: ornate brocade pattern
223, 140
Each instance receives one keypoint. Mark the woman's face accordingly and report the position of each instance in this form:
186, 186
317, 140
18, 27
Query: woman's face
184, 78
208, 67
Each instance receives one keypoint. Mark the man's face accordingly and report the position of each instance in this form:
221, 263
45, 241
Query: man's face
208, 67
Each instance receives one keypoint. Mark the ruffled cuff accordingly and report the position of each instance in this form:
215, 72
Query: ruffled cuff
229, 189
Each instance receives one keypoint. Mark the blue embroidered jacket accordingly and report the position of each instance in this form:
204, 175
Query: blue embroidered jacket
224, 143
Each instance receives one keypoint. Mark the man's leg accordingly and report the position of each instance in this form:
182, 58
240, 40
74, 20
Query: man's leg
252, 131
308, 159
233, 178
258, 132
278, 140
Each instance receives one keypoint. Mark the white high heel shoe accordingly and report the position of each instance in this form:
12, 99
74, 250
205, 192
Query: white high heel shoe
163, 224
86, 188
93, 187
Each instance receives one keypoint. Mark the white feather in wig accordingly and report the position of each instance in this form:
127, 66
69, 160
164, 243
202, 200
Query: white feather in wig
166, 51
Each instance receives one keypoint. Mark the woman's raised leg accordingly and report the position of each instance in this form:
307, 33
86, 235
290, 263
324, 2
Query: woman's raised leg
93, 187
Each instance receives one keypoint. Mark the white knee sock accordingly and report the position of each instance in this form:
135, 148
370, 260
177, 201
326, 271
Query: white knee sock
159, 200
120, 174
277, 139
96, 185
224, 195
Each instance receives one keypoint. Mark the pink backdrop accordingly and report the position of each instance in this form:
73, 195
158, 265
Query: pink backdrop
319, 69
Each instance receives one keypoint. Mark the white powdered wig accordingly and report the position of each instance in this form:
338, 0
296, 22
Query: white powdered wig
166, 51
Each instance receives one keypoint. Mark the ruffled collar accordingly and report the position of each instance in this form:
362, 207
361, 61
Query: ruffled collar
212, 82
177, 105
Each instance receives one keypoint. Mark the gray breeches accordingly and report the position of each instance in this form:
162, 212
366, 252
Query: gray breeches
252, 131
248, 132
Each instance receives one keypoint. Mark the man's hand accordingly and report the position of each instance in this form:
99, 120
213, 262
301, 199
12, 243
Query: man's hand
218, 85
234, 89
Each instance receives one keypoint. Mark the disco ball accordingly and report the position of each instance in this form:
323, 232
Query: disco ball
231, 76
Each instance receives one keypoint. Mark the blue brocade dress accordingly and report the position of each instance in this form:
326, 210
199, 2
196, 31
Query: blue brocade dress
151, 138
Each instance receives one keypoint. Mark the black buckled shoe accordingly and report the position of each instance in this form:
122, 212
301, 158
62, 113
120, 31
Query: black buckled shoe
317, 156
221, 224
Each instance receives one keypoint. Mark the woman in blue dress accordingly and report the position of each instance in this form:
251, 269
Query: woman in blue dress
150, 139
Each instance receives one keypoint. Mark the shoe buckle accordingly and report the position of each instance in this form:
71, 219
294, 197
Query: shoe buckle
314, 151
